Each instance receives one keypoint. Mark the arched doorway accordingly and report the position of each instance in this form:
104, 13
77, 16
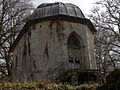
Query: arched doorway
74, 44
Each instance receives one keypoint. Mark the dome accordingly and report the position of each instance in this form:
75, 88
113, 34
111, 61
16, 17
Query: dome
57, 8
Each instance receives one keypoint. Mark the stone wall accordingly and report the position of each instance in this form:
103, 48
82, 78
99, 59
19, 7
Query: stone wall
42, 52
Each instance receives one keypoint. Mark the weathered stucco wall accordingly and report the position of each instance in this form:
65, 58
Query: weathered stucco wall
91, 52
43, 53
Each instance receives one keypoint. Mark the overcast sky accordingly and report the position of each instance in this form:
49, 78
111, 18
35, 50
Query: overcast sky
85, 5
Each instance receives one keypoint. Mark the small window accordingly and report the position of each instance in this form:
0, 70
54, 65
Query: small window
71, 59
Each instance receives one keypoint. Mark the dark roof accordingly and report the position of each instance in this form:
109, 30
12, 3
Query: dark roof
57, 8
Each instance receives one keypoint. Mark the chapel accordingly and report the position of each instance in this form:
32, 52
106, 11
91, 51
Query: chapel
56, 38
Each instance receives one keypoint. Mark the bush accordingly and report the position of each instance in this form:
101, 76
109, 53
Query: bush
112, 81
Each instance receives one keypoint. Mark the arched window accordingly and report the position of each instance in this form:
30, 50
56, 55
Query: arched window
73, 41
74, 48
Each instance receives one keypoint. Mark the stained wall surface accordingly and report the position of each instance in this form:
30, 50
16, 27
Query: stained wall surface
43, 50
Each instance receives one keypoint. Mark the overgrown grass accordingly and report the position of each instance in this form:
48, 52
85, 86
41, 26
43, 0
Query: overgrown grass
24, 84
48, 85
34, 84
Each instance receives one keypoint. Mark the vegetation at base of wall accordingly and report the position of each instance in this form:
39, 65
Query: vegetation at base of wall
70, 81
77, 77
112, 83
50, 86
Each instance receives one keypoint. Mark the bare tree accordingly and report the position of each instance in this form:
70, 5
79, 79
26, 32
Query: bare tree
13, 14
106, 18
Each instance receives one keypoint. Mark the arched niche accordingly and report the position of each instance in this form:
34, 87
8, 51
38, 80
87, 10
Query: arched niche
75, 50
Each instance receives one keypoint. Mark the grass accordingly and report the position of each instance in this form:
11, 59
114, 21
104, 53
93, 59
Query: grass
24, 84
48, 85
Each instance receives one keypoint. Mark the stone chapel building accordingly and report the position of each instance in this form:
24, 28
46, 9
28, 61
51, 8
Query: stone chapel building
55, 39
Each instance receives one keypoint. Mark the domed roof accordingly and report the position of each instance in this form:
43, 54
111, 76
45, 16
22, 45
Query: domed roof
57, 8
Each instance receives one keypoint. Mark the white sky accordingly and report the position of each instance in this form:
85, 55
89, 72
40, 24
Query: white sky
84, 5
